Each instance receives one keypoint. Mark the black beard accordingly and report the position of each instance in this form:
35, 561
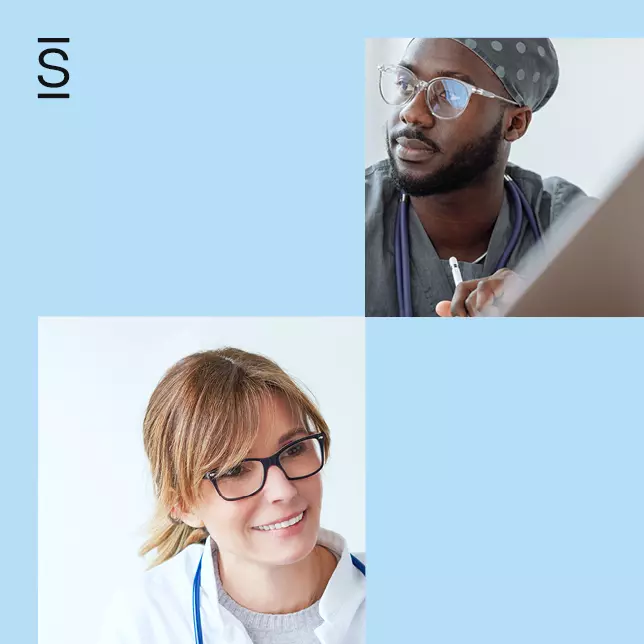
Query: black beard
467, 166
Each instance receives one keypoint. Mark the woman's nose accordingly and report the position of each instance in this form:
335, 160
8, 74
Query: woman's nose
277, 486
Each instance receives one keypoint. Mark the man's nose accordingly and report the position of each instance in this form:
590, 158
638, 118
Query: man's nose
417, 112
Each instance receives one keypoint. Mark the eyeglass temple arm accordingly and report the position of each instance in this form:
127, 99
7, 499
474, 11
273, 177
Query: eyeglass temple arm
484, 92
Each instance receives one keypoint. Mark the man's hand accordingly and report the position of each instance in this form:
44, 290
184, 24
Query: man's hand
471, 297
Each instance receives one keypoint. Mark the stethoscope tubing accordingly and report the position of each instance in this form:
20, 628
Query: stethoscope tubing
196, 596
402, 260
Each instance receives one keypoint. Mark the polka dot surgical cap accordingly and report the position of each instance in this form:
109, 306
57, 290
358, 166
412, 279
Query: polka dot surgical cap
527, 67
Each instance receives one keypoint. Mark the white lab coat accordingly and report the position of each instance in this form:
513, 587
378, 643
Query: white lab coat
159, 608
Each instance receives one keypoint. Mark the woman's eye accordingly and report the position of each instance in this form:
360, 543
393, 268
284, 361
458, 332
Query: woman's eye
295, 450
234, 472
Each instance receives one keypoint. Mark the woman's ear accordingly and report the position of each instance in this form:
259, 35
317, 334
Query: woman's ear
520, 118
186, 516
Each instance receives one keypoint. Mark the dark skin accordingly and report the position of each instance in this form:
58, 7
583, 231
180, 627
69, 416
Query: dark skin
475, 297
459, 222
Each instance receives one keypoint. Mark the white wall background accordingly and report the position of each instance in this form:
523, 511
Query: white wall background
576, 136
95, 376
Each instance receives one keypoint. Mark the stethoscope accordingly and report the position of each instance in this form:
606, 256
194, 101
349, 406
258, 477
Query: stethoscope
520, 207
196, 596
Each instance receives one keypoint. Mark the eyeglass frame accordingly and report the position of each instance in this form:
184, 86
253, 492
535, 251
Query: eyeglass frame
421, 85
268, 462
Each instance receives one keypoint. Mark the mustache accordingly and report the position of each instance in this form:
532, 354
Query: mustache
409, 133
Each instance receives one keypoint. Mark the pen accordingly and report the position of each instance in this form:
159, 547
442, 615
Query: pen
456, 272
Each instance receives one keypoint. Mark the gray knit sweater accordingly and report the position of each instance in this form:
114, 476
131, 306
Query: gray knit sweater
264, 628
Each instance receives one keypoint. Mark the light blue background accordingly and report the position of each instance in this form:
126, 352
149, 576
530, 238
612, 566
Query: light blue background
209, 162
505, 481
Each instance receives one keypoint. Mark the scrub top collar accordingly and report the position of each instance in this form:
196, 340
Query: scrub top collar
501, 233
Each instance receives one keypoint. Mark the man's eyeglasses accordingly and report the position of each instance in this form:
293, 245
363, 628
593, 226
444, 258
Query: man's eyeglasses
447, 98
297, 460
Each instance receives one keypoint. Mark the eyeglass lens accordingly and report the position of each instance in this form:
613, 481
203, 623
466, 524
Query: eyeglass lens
302, 459
447, 98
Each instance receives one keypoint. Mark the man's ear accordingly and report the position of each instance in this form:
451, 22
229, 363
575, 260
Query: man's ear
520, 118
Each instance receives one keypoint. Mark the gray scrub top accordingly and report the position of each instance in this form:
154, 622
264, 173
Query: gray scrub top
431, 277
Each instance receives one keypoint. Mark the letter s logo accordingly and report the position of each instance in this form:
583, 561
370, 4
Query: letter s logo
46, 65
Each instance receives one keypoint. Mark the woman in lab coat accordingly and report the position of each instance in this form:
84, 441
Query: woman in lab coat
236, 450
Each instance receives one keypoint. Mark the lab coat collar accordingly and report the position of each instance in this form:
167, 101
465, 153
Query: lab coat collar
342, 597
344, 593
210, 605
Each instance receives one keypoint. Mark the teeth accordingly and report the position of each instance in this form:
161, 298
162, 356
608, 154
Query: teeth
283, 524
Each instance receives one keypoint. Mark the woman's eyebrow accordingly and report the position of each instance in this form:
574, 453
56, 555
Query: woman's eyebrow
285, 438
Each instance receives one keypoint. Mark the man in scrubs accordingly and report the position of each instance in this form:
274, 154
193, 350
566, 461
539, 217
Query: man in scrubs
448, 144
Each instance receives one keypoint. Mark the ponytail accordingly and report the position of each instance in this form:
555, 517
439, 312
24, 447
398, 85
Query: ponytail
169, 537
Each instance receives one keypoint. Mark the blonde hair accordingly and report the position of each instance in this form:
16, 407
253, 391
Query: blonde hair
203, 415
